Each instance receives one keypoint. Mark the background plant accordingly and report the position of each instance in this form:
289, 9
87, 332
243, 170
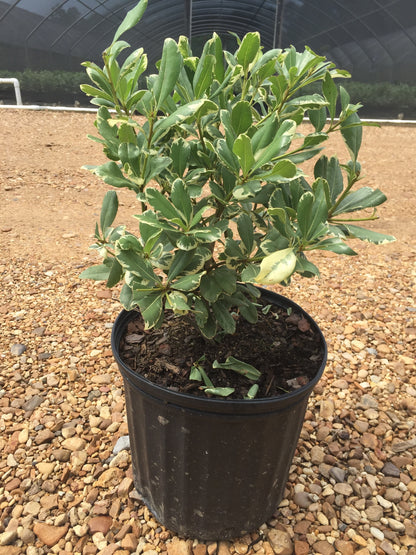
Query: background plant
212, 148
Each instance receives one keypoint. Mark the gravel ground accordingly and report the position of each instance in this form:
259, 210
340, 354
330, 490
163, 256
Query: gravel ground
66, 472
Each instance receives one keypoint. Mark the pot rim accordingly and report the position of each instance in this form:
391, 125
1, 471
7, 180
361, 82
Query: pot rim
213, 404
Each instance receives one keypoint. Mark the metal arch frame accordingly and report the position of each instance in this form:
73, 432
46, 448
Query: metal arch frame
399, 25
351, 20
329, 33
242, 22
110, 31
9, 9
46, 17
101, 3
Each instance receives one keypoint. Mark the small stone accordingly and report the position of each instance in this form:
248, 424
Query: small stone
343, 488
123, 442
350, 514
374, 513
387, 548
33, 403
337, 473
13, 484
8, 537
317, 454
129, 542
301, 547
31, 508
411, 486
369, 440
383, 502
327, 408
17, 349
26, 535
44, 436
121, 459
74, 444
396, 526
302, 499
390, 469
23, 435
323, 548
184, 547
280, 541
400, 446
345, 547
48, 534
100, 524
394, 495
124, 487
62, 455
378, 534
45, 468
367, 402
110, 477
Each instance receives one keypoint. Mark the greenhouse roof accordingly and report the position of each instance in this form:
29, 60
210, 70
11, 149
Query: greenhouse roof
374, 39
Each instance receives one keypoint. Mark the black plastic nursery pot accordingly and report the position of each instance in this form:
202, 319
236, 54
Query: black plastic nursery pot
211, 468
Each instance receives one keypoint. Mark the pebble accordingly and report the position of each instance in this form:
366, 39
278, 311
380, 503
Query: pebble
280, 541
122, 443
17, 349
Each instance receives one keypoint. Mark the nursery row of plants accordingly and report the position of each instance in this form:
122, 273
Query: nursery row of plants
385, 100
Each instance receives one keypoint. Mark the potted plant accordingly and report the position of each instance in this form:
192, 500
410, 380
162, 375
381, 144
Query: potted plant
218, 371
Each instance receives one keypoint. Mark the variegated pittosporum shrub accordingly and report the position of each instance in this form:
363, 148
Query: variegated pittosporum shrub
212, 149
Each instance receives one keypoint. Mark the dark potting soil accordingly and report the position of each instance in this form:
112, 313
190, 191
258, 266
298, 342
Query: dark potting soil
282, 345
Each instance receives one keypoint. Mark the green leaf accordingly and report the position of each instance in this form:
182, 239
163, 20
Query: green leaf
252, 392
187, 243
360, 199
188, 283
318, 118
203, 75
244, 152
331, 94
248, 50
138, 266
181, 200
312, 213
170, 67
99, 272
177, 301
367, 235
223, 317
217, 281
227, 156
193, 109
131, 19
279, 143
241, 117
116, 273
151, 308
220, 391
245, 230
108, 210
352, 135
180, 153
331, 171
111, 174
243, 368
334, 244
282, 169
160, 203
276, 267
207, 235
